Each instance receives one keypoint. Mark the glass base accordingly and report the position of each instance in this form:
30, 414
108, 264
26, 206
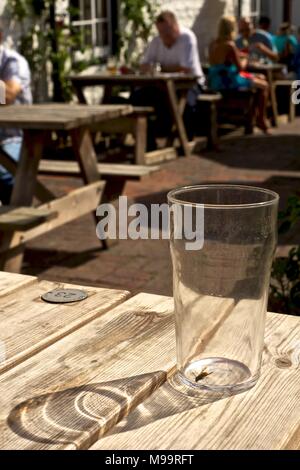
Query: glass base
213, 374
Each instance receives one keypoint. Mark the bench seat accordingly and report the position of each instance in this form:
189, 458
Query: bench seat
106, 170
23, 218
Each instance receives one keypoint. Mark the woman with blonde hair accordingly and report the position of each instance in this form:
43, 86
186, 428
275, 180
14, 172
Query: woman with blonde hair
226, 70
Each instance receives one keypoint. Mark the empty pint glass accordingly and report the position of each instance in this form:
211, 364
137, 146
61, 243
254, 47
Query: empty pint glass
221, 282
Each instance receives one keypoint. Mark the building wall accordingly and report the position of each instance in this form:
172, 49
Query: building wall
274, 9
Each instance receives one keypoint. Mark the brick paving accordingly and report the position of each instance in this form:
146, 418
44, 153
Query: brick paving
73, 253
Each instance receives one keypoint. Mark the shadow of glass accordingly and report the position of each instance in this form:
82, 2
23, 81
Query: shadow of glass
78, 416
167, 401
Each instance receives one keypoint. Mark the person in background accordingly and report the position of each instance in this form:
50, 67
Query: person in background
286, 44
264, 27
15, 76
297, 58
258, 44
174, 49
226, 70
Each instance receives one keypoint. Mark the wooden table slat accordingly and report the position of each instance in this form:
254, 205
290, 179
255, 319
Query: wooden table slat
28, 324
265, 417
104, 78
67, 395
59, 116
11, 282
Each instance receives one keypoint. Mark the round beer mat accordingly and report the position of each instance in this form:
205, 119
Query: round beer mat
63, 296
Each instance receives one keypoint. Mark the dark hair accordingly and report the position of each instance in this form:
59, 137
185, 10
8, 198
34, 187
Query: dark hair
285, 26
264, 21
166, 16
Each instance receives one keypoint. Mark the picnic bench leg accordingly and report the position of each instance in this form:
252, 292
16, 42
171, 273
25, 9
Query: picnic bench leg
140, 135
23, 192
292, 110
174, 105
79, 93
41, 192
86, 156
273, 99
181, 106
107, 94
212, 135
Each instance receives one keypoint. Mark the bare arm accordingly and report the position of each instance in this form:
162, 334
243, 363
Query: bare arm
266, 51
234, 55
12, 89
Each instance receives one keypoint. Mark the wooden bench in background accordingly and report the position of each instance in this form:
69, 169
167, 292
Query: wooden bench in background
38, 123
19, 225
114, 174
226, 107
23, 218
136, 124
287, 87
208, 112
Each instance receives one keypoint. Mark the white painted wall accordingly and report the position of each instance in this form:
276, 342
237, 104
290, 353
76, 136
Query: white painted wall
274, 9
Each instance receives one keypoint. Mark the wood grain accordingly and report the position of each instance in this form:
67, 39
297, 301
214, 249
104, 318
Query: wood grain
265, 417
23, 218
72, 392
58, 116
105, 169
67, 208
132, 79
28, 324
11, 282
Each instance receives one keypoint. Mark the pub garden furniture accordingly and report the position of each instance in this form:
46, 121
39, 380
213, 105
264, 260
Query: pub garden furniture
93, 374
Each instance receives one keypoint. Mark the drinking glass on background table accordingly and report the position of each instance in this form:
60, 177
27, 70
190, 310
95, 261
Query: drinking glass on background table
111, 65
221, 288
155, 68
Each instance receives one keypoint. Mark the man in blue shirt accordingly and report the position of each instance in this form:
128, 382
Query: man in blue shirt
258, 43
15, 78
264, 27
286, 44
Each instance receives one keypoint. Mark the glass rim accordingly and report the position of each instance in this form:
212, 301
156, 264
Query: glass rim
171, 196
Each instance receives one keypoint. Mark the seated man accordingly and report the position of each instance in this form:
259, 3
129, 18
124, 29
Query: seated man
257, 43
286, 44
176, 50
15, 76
264, 26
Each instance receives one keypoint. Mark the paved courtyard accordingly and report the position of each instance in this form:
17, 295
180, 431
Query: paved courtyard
73, 253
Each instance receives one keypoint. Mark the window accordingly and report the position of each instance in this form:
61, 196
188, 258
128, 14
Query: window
255, 9
250, 8
93, 17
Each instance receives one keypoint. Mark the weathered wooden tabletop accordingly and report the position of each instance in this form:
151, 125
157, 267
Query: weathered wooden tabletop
119, 79
58, 116
94, 374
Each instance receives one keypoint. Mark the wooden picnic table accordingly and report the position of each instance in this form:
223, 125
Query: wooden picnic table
171, 83
94, 374
37, 123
